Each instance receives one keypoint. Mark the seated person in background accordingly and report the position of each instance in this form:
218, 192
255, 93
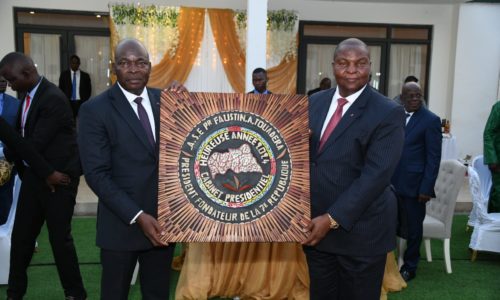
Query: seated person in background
324, 84
417, 170
259, 81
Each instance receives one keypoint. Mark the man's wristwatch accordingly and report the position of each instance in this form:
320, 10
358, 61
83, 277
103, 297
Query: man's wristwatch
333, 223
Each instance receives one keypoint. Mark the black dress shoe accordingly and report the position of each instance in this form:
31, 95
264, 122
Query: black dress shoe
407, 275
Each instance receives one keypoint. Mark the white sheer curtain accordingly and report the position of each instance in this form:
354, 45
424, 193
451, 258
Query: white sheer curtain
406, 60
319, 64
375, 57
45, 52
94, 56
208, 74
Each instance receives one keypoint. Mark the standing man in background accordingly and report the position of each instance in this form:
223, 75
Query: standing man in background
491, 137
75, 84
8, 111
259, 81
417, 170
356, 140
45, 120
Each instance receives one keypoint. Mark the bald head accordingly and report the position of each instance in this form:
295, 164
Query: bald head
411, 96
20, 71
130, 43
351, 43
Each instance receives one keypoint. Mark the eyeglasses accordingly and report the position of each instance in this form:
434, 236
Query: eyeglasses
141, 64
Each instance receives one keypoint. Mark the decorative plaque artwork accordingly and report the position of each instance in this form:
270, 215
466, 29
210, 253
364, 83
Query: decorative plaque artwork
233, 167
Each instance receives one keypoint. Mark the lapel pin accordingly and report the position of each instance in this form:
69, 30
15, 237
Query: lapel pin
352, 115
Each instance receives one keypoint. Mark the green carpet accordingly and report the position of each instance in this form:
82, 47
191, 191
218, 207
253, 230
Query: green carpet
479, 280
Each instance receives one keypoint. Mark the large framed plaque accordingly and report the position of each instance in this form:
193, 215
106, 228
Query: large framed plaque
233, 167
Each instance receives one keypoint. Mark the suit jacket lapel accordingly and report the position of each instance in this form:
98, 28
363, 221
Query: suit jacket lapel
353, 113
154, 98
317, 118
119, 101
35, 102
413, 120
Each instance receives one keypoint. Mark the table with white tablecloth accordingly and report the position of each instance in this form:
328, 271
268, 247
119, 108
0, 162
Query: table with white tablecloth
449, 147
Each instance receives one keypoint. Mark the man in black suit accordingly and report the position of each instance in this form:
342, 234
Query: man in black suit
417, 170
259, 81
23, 149
118, 140
356, 140
45, 120
75, 84
324, 84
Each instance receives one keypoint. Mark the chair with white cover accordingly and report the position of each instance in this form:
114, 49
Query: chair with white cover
439, 211
5, 233
486, 234
483, 188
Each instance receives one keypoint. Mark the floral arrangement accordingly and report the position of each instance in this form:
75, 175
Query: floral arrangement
145, 15
155, 26
281, 34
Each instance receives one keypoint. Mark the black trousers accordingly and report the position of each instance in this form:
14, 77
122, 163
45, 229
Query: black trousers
415, 212
344, 277
36, 205
154, 273
75, 106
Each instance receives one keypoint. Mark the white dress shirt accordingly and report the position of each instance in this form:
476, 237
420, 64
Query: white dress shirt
333, 105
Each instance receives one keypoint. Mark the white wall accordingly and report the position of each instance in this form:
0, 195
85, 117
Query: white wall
442, 17
476, 75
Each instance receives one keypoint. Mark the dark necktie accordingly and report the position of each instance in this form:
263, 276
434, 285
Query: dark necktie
334, 120
73, 87
143, 117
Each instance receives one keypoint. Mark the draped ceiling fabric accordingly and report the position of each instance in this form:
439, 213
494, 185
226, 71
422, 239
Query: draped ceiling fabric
282, 78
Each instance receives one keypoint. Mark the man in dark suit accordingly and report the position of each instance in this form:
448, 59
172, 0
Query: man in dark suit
324, 84
23, 149
8, 111
45, 120
118, 139
259, 81
417, 170
356, 140
75, 84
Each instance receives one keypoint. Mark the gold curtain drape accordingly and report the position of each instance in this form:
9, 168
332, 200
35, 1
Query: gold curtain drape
247, 270
228, 46
191, 27
393, 282
283, 77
